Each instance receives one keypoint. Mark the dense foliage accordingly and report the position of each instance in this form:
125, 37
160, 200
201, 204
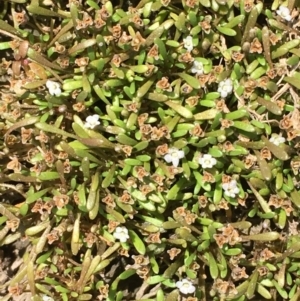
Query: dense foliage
149, 150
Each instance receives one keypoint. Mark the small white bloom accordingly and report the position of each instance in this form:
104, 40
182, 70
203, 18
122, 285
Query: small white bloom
197, 68
174, 155
207, 161
53, 87
185, 286
188, 43
92, 121
277, 139
225, 87
121, 233
231, 188
284, 13
46, 298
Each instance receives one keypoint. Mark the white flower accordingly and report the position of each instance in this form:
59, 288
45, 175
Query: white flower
277, 139
225, 87
188, 43
197, 68
92, 121
207, 161
53, 87
46, 298
231, 188
174, 155
121, 233
185, 286
284, 13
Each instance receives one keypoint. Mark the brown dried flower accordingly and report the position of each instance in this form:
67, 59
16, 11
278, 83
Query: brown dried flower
142, 118
109, 201
249, 161
13, 224
82, 61
52, 237
238, 273
116, 60
164, 84
161, 150
192, 101
61, 200
153, 238
48, 157
237, 56
256, 46
124, 39
137, 41
186, 58
59, 48
116, 31
42, 137
165, 2
205, 25
203, 201
266, 254
274, 39
141, 172
286, 122
265, 153
14, 164
173, 253
143, 272
197, 131
90, 239
225, 123
126, 198
140, 260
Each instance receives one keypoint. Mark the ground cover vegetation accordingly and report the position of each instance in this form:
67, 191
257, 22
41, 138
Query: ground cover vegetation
150, 149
